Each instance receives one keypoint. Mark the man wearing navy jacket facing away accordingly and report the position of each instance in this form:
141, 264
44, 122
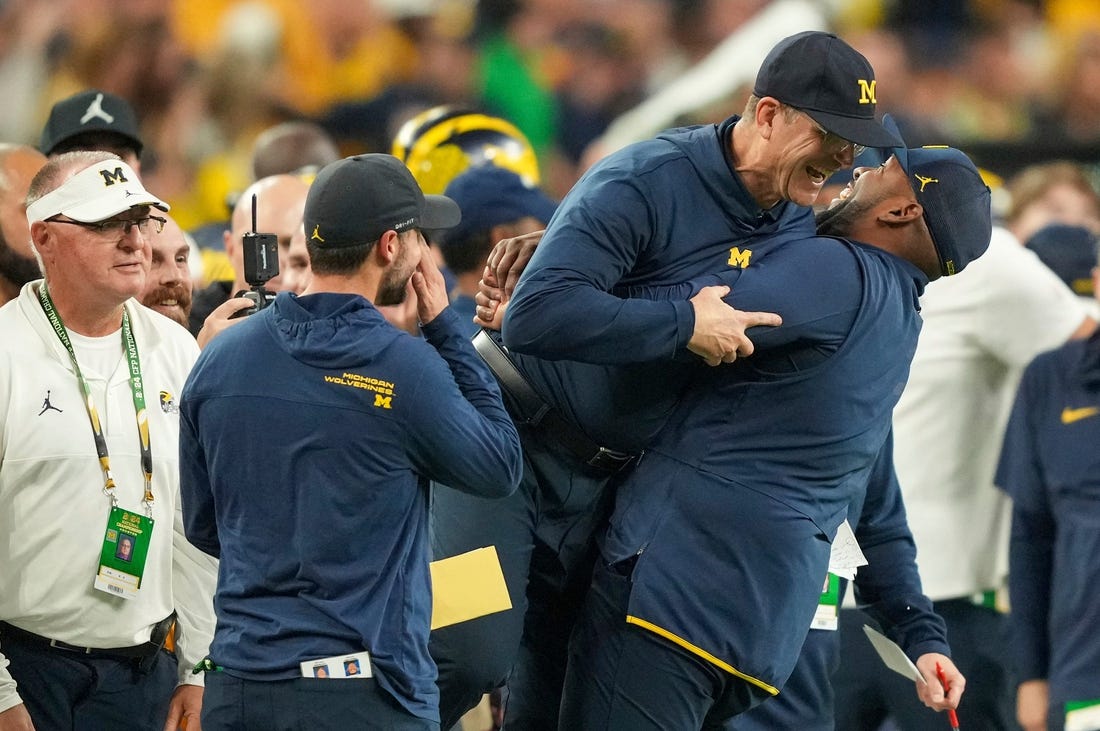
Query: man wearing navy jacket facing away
309, 433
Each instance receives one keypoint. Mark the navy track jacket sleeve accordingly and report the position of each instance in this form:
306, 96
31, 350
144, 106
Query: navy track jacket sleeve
888, 588
474, 446
199, 522
1031, 545
809, 286
563, 304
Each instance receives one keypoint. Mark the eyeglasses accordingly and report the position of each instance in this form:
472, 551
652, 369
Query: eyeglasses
117, 227
833, 141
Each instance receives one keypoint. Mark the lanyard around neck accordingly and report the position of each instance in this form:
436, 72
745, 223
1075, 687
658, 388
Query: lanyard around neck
136, 390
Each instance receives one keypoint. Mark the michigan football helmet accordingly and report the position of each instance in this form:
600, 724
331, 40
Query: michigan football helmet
442, 142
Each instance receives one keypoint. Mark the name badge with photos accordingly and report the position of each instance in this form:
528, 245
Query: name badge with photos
338, 667
125, 548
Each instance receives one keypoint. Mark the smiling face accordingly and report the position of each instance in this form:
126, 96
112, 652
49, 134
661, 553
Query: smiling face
168, 284
848, 214
875, 183
99, 270
803, 156
880, 208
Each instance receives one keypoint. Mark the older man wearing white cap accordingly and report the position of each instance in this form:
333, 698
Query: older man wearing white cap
89, 381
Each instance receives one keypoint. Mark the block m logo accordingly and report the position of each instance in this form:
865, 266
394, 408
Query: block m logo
112, 177
867, 91
739, 258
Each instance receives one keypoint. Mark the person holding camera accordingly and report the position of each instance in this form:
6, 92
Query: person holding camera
92, 574
321, 520
278, 201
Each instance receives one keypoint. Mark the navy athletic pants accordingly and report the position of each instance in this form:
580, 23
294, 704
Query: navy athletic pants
544, 537
234, 704
621, 677
68, 691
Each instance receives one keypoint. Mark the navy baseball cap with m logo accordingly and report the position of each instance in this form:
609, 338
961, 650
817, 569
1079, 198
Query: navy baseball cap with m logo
830, 81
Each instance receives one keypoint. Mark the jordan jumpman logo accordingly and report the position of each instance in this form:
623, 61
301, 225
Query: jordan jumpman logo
46, 405
95, 109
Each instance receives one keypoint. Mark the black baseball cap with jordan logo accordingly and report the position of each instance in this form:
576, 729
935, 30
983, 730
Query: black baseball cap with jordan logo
821, 75
355, 200
92, 112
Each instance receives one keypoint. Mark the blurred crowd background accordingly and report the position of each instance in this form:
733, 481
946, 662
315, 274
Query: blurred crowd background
1013, 82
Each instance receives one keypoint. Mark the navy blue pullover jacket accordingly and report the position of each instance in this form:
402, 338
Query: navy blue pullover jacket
1050, 465
888, 588
733, 510
654, 214
308, 433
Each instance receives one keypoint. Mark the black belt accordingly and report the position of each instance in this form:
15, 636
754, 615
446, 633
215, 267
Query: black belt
536, 413
143, 651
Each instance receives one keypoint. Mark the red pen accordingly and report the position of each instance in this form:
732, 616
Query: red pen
952, 717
